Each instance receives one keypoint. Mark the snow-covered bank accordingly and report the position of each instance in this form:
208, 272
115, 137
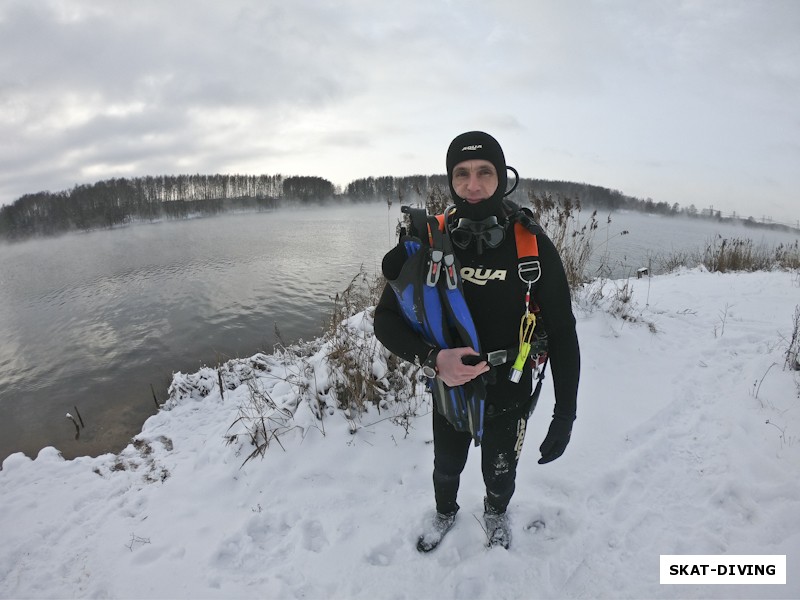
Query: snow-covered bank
687, 442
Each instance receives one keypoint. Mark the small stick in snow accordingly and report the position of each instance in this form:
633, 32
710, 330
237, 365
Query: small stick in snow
79, 417
154, 397
77, 427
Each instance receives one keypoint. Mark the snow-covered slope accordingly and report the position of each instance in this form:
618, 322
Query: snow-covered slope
687, 442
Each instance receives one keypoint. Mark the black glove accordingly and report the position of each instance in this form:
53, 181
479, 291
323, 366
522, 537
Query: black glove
556, 440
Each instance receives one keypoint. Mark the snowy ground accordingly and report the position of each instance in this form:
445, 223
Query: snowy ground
687, 442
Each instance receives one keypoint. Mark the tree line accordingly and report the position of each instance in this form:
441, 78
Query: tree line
120, 201
408, 189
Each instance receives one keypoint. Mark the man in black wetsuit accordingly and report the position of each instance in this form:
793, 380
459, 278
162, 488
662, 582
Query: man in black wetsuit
477, 174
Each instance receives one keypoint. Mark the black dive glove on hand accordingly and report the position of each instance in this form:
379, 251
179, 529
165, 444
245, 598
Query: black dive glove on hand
556, 440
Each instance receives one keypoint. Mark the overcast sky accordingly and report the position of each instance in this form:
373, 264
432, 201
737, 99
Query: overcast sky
695, 102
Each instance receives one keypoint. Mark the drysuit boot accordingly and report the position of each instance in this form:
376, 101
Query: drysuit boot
435, 530
497, 529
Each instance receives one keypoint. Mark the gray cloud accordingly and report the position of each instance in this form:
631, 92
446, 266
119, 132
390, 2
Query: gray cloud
636, 96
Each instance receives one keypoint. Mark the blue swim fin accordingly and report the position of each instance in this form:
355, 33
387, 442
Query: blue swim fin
431, 299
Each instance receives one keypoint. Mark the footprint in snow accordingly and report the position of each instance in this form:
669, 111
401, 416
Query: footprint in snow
536, 526
383, 554
314, 538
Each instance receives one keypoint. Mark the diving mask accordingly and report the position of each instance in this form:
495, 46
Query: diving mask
486, 232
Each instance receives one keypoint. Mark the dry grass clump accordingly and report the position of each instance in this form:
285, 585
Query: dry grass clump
793, 350
560, 218
677, 259
787, 256
261, 420
737, 254
438, 200
722, 255
361, 293
571, 233
352, 353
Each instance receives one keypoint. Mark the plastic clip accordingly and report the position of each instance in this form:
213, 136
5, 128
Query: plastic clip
434, 268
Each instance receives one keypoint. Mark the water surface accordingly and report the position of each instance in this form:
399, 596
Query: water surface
94, 320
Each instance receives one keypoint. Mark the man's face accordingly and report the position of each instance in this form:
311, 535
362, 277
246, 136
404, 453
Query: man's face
475, 180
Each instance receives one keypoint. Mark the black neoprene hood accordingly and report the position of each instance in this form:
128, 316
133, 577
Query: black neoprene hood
478, 145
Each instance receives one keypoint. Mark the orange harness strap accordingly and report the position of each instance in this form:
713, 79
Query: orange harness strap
526, 241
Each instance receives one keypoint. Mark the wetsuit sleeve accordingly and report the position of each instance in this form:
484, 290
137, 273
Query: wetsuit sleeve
555, 301
393, 332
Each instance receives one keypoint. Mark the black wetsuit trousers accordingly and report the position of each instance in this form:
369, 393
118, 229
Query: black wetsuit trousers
500, 450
